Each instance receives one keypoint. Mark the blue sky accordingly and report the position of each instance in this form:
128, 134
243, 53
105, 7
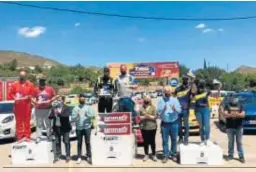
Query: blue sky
92, 40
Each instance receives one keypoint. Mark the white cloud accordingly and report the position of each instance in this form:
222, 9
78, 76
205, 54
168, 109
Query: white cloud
208, 30
220, 30
200, 26
31, 32
77, 24
141, 39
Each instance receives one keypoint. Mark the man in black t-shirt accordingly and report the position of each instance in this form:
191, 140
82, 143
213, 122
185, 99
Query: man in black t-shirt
234, 115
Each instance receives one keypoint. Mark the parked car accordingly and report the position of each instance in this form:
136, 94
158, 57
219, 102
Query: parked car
248, 101
8, 122
159, 93
71, 99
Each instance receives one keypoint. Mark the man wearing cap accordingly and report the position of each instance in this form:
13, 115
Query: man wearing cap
234, 115
169, 109
83, 115
43, 95
105, 89
183, 94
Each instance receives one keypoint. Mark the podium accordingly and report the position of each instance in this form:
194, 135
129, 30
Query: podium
195, 153
30, 153
113, 143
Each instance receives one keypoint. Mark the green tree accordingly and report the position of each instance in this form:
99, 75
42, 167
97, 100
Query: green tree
13, 65
38, 69
183, 69
205, 65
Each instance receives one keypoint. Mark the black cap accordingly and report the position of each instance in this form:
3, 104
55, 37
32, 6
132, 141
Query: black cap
81, 96
106, 69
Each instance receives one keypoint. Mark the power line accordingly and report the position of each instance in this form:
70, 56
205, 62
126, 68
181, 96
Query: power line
127, 16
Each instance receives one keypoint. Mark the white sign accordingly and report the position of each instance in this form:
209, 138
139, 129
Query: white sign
193, 154
30, 153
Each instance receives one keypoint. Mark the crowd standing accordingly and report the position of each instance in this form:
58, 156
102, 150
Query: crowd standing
173, 110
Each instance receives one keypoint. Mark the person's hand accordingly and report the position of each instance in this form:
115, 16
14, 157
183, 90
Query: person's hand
165, 107
174, 109
184, 106
78, 112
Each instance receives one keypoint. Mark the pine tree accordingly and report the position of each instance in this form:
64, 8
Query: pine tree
205, 65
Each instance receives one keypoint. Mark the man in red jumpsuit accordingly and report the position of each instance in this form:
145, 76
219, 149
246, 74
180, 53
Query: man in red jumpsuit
21, 91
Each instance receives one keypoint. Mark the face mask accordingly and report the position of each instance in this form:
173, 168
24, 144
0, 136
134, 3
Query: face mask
185, 82
41, 83
123, 72
22, 78
146, 103
167, 95
82, 102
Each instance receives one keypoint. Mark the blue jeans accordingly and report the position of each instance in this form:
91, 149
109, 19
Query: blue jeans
170, 130
232, 134
184, 116
203, 118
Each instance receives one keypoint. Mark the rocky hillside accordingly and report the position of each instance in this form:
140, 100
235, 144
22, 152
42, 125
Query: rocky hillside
25, 59
246, 70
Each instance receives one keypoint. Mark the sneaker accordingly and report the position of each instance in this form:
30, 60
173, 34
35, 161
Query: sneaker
229, 158
185, 142
38, 140
209, 143
78, 160
27, 139
180, 140
165, 160
145, 158
89, 160
154, 158
242, 160
55, 160
67, 159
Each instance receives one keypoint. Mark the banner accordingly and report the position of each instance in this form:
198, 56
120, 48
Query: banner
1, 91
8, 87
147, 70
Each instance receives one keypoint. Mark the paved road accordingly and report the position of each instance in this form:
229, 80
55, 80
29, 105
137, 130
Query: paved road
249, 141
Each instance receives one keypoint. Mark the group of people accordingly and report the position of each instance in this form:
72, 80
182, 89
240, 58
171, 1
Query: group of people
51, 115
173, 109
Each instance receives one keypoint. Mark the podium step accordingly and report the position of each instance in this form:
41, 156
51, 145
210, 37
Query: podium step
196, 153
30, 153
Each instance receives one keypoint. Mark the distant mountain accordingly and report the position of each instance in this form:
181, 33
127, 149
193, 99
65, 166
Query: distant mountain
25, 59
246, 70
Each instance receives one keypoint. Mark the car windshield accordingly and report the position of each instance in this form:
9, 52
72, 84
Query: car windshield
6, 108
246, 99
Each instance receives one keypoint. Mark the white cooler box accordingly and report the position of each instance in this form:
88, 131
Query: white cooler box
201, 154
112, 150
25, 153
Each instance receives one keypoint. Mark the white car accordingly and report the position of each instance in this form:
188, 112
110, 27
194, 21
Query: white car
72, 134
8, 122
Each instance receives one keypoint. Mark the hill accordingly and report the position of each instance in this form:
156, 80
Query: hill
246, 70
25, 59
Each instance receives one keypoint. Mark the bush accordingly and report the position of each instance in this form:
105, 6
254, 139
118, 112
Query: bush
79, 90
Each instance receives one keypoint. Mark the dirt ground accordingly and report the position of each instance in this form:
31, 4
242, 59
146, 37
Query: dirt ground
249, 140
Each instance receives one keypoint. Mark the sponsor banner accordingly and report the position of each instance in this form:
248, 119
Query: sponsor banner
115, 117
8, 88
148, 70
115, 129
1, 91
143, 70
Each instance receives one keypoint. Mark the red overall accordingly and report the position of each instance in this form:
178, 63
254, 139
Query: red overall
22, 108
